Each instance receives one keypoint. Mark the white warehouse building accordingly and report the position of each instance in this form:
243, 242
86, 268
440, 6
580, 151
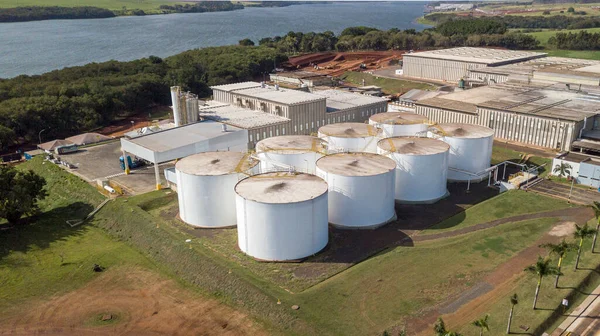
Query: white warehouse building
453, 64
268, 111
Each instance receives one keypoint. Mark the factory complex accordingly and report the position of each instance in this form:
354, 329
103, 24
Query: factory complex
284, 165
524, 97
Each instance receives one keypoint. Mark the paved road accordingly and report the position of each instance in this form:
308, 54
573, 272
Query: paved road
584, 320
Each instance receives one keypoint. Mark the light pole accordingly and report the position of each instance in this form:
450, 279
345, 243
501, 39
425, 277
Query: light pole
40, 136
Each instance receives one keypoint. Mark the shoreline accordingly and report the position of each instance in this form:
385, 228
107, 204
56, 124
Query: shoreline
103, 12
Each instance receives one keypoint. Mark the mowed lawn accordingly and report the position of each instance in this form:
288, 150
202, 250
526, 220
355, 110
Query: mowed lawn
48, 257
402, 282
508, 204
549, 299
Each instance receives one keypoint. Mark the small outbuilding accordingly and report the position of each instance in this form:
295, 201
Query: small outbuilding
88, 138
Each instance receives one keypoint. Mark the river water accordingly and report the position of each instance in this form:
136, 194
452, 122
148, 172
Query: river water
40, 46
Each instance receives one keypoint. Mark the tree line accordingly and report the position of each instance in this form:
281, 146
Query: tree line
523, 22
78, 99
36, 13
581, 40
459, 33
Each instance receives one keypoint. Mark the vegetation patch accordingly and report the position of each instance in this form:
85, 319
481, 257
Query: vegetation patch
508, 204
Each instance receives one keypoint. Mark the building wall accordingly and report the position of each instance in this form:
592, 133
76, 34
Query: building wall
538, 131
489, 79
306, 121
438, 69
574, 169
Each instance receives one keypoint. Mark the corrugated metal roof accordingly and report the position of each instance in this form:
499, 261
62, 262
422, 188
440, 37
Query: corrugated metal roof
240, 117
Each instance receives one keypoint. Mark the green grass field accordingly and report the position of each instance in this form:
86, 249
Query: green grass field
544, 35
49, 257
549, 299
109, 4
388, 85
385, 290
508, 204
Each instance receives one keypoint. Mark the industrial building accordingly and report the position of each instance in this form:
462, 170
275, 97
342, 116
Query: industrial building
451, 65
556, 69
584, 169
544, 114
183, 141
267, 111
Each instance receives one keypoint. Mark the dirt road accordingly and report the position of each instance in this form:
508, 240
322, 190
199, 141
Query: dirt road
139, 302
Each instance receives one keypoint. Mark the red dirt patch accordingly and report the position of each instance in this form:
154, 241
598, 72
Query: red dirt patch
141, 303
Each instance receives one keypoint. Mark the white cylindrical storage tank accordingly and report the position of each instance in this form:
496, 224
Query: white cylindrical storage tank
183, 117
175, 90
297, 151
191, 108
361, 189
399, 124
349, 137
421, 167
470, 150
205, 183
282, 216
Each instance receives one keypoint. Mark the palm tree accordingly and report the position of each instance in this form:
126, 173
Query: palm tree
596, 207
482, 324
563, 169
560, 250
541, 268
582, 232
440, 327
514, 300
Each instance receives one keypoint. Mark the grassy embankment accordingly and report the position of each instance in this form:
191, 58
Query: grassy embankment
509, 204
47, 257
388, 85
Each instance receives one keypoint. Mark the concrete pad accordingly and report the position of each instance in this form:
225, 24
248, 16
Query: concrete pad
96, 162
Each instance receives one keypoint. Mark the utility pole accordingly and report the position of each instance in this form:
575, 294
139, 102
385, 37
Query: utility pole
40, 136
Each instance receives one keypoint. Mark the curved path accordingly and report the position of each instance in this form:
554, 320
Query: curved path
578, 215
472, 303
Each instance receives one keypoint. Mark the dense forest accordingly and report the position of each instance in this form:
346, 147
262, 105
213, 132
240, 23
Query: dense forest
35, 13
201, 7
529, 22
77, 99
466, 33
581, 40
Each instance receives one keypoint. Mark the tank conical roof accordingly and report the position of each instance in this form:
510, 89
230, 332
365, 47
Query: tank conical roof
288, 144
281, 187
348, 130
356, 164
413, 145
466, 131
215, 163
398, 118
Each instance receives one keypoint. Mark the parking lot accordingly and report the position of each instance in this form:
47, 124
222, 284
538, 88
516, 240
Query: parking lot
102, 162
